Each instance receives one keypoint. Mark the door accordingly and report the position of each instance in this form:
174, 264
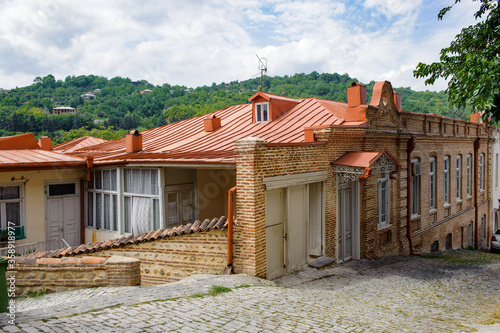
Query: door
62, 214
296, 231
275, 220
346, 216
316, 234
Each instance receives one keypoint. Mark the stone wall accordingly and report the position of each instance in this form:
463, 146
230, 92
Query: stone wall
68, 273
174, 258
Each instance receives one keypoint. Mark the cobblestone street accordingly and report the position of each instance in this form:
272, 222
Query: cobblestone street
455, 292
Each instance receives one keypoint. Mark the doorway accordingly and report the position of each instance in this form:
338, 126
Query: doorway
348, 223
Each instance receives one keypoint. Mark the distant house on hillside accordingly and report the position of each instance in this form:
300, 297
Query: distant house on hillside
63, 110
146, 91
4, 90
88, 95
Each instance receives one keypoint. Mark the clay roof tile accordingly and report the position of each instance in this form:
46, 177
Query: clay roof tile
221, 223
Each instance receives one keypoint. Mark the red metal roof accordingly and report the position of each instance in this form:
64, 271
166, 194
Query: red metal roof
187, 142
70, 146
363, 159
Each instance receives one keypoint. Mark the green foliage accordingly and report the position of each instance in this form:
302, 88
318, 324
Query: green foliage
216, 290
119, 106
471, 63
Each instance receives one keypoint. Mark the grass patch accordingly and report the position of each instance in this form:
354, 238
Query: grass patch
216, 290
242, 286
36, 293
464, 257
197, 296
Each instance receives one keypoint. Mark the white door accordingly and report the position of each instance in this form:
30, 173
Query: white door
315, 220
296, 227
275, 233
62, 213
345, 223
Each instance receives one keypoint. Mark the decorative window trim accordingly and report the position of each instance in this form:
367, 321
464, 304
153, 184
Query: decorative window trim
415, 182
459, 177
432, 183
446, 180
262, 112
384, 201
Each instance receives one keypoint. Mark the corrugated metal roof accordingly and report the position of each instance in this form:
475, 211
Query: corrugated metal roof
187, 141
70, 146
37, 158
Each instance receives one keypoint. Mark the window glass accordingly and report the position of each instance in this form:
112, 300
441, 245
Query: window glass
432, 183
146, 181
62, 189
90, 183
10, 192
90, 209
136, 178
258, 112
156, 214
265, 115
113, 180
128, 214
115, 213
154, 181
127, 175
172, 209
107, 211
13, 212
106, 180
98, 180
98, 203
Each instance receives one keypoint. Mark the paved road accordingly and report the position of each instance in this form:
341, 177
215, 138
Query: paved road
456, 292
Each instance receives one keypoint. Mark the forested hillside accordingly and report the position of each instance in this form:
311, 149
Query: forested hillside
117, 104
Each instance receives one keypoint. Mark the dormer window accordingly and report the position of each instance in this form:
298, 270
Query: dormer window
261, 112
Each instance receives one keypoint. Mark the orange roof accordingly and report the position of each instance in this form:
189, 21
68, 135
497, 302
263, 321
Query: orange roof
362, 159
21, 152
187, 142
70, 146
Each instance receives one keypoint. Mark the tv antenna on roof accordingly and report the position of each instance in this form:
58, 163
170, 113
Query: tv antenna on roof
262, 69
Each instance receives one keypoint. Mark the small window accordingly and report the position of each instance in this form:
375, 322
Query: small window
469, 175
415, 187
383, 200
11, 208
62, 189
432, 183
261, 112
459, 177
481, 172
446, 180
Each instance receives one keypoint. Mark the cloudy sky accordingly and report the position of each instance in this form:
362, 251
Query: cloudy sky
196, 42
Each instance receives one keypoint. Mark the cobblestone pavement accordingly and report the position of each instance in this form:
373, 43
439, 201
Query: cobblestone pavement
456, 292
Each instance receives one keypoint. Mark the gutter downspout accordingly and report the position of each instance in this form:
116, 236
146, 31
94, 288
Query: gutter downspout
477, 145
230, 222
409, 149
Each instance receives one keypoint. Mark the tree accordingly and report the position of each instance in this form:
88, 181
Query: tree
471, 63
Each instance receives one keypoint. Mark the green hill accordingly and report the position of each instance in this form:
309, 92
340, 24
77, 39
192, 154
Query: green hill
119, 105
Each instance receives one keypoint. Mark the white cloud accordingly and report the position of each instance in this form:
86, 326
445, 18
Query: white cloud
200, 42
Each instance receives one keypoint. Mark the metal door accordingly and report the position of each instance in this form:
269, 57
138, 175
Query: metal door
296, 231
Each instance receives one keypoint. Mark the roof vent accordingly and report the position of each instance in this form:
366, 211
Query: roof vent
133, 142
45, 143
211, 123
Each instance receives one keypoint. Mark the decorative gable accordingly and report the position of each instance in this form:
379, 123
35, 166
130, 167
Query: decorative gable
385, 107
267, 107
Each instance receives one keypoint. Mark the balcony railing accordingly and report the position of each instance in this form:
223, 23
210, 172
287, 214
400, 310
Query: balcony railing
26, 249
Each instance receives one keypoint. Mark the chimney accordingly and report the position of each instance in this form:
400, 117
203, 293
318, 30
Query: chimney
45, 143
474, 117
133, 142
397, 101
309, 135
356, 96
211, 124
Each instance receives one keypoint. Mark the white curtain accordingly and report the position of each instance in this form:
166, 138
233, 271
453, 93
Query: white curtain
141, 215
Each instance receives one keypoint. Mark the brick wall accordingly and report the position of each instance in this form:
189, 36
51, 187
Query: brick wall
68, 273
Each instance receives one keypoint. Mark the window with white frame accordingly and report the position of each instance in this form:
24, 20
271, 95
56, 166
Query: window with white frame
141, 200
11, 211
481, 172
180, 204
261, 112
102, 200
415, 187
383, 201
469, 175
432, 183
446, 179
459, 177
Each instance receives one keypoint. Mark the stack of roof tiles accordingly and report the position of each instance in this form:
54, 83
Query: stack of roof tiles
190, 228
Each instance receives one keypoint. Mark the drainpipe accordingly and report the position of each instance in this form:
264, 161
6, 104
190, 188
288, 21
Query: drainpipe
409, 149
477, 145
230, 221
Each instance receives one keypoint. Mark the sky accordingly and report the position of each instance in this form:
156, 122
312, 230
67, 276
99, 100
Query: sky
196, 42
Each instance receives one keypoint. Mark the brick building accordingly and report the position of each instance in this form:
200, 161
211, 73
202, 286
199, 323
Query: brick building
314, 178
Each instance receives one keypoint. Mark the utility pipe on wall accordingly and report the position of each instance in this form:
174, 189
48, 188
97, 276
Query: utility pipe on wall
477, 145
230, 221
